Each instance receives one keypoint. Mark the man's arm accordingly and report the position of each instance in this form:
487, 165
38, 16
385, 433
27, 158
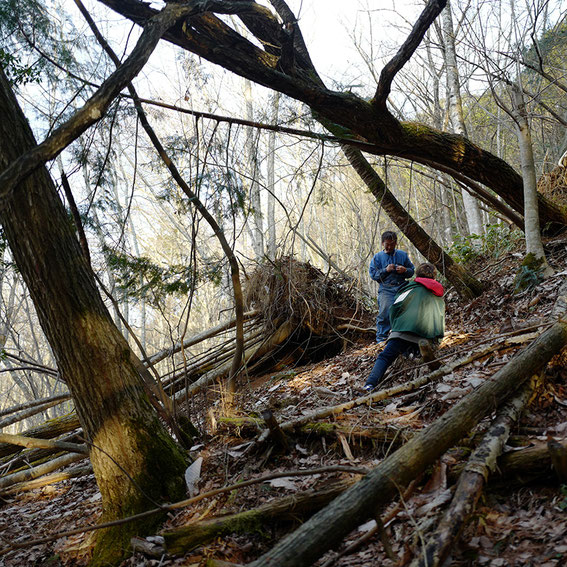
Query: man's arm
377, 273
410, 269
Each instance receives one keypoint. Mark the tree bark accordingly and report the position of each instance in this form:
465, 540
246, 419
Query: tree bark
366, 498
135, 461
531, 218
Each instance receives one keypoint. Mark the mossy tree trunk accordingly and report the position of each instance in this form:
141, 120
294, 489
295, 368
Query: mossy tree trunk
283, 64
136, 462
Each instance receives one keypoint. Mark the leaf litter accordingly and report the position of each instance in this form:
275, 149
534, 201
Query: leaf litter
514, 523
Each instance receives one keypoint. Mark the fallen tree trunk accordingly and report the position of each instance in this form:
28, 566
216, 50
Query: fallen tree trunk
196, 339
289, 508
36, 443
471, 482
386, 433
48, 430
526, 464
46, 480
40, 470
278, 337
31, 457
364, 500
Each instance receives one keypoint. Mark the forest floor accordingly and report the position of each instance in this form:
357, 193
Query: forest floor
517, 522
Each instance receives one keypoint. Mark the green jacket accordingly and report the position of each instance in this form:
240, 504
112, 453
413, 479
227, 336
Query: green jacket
419, 308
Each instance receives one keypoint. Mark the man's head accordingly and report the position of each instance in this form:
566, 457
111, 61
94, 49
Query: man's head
389, 241
425, 270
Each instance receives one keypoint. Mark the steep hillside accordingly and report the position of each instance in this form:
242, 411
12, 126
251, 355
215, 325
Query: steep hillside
330, 437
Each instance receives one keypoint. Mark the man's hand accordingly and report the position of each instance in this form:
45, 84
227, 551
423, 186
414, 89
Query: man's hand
401, 269
391, 268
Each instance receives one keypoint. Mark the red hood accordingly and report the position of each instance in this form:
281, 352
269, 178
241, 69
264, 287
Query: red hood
432, 285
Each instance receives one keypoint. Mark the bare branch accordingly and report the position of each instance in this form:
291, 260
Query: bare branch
431, 11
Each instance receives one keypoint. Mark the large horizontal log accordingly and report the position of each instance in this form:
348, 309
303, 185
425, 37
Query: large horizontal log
364, 500
386, 433
40, 470
48, 430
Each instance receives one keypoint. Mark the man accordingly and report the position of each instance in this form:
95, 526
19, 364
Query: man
417, 317
390, 268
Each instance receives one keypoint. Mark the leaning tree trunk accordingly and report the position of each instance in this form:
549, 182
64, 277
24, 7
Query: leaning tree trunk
136, 462
463, 281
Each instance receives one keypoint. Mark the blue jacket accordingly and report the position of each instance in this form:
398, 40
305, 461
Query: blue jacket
390, 279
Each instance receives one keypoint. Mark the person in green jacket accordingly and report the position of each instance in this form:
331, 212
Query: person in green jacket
417, 317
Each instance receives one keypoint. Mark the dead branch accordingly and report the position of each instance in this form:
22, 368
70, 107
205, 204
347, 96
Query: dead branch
48, 430
24, 441
28, 457
46, 480
386, 433
30, 412
278, 337
472, 481
196, 339
302, 547
430, 12
384, 521
40, 470
35, 403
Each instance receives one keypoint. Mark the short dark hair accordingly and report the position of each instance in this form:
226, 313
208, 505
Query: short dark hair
425, 270
389, 235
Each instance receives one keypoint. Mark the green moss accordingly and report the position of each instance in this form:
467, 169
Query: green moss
320, 428
184, 539
161, 480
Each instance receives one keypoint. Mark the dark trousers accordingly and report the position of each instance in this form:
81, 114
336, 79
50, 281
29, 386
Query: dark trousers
386, 296
393, 349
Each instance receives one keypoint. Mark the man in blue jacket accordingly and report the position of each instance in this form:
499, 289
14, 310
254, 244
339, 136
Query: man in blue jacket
417, 317
390, 269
